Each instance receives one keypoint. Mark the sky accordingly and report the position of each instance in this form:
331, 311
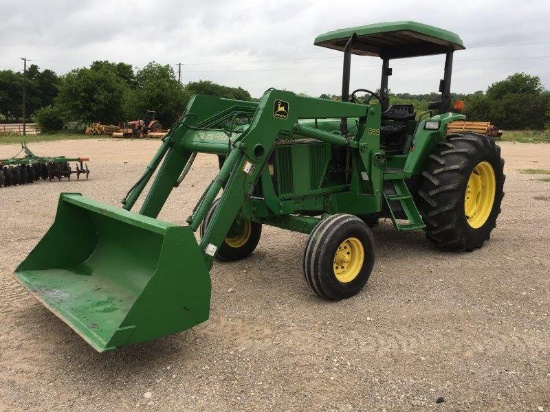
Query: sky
262, 44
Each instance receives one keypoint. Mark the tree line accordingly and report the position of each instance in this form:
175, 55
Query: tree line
105, 92
518, 102
110, 92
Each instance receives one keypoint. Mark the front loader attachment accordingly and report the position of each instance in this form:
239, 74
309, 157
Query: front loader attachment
117, 277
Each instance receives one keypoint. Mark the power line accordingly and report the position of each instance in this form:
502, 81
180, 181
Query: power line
306, 59
363, 66
339, 57
507, 45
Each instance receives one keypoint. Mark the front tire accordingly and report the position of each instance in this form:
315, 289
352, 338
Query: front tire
240, 242
462, 191
339, 257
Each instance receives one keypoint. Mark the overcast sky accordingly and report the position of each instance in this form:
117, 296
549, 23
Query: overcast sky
262, 44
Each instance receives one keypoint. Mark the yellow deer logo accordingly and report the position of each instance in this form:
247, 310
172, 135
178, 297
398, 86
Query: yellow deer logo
281, 109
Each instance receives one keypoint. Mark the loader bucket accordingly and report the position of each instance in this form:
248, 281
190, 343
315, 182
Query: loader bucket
117, 277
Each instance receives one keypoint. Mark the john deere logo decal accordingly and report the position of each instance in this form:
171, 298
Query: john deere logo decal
280, 110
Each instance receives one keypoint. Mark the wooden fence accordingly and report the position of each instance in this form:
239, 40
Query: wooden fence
17, 128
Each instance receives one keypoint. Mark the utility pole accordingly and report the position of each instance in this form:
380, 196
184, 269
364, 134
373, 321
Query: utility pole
24, 97
179, 73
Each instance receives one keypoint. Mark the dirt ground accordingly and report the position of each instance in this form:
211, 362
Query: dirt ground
431, 331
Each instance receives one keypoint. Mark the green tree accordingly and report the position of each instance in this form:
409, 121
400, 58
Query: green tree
94, 94
518, 83
11, 95
478, 107
50, 118
41, 88
521, 111
156, 89
208, 87
122, 70
518, 102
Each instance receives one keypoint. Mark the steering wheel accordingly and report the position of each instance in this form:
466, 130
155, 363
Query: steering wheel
353, 98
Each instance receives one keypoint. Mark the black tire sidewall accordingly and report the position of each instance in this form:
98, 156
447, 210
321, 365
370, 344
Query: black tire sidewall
442, 208
325, 251
477, 236
227, 253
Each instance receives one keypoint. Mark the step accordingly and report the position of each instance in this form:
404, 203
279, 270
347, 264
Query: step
410, 227
406, 204
395, 174
398, 197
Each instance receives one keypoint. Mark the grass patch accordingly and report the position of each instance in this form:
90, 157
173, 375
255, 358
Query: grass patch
10, 139
535, 171
526, 136
538, 172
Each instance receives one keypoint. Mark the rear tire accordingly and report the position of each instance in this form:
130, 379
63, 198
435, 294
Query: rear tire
462, 191
156, 127
339, 257
241, 240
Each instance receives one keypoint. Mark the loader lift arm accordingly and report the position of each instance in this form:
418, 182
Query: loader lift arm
246, 155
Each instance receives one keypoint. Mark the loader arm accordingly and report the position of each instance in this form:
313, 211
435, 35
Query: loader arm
251, 150
277, 114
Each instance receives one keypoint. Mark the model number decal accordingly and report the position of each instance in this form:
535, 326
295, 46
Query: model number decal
375, 132
286, 141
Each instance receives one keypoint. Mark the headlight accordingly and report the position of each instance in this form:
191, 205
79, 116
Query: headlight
432, 125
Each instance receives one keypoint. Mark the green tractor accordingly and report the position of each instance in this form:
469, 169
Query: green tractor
322, 167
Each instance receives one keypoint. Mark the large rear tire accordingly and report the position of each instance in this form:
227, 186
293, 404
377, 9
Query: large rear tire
461, 192
240, 242
339, 257
155, 127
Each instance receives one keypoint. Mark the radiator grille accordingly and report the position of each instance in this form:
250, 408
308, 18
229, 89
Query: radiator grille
318, 156
284, 170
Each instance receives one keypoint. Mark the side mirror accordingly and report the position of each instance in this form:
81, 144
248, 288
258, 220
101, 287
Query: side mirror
434, 105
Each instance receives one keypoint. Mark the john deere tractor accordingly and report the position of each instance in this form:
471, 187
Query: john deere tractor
322, 167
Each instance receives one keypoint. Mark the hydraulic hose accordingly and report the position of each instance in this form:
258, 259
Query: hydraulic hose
186, 169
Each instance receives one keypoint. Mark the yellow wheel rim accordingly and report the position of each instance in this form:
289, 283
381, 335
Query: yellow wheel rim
348, 260
240, 239
480, 195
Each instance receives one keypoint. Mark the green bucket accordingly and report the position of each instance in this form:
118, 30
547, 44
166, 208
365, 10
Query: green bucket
116, 277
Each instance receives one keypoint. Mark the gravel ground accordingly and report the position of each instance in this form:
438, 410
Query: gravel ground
431, 331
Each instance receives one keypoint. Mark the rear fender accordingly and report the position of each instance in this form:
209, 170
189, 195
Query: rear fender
425, 141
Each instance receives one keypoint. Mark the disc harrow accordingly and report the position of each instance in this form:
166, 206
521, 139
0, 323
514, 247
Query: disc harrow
20, 170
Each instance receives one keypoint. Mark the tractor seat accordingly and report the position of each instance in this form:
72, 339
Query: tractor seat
399, 112
393, 130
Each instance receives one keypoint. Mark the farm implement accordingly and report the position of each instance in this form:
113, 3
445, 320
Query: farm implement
149, 126
19, 170
330, 169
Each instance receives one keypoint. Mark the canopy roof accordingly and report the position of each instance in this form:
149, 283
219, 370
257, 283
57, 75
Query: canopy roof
393, 40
